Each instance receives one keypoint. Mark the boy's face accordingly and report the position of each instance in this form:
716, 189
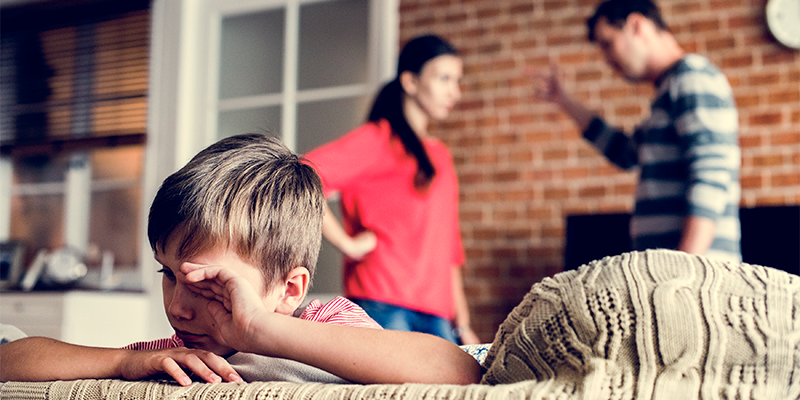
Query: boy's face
187, 311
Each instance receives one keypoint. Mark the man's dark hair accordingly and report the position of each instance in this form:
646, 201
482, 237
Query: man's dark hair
616, 13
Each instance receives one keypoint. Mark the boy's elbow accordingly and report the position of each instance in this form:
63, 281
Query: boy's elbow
460, 371
469, 374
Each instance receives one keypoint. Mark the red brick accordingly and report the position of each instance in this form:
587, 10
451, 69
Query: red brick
786, 96
589, 75
720, 44
764, 201
505, 176
486, 13
556, 194
552, 5
747, 100
750, 141
521, 156
737, 61
521, 9
573, 58
556, 154
592, 191
768, 160
709, 25
752, 182
771, 118
537, 137
781, 57
614, 93
764, 79
486, 122
746, 21
628, 189
685, 7
782, 139
628, 110
724, 4
785, 180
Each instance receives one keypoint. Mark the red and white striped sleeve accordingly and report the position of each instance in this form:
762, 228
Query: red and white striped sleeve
158, 344
338, 311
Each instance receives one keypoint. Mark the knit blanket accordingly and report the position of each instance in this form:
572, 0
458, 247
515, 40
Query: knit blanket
646, 325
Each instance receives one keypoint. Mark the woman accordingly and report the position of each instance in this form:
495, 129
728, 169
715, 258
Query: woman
399, 196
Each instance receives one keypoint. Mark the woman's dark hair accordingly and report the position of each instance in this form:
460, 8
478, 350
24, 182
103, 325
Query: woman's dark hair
617, 12
389, 102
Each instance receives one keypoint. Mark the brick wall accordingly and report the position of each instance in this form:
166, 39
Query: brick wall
522, 164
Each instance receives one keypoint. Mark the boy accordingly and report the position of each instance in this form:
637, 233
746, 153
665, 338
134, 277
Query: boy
237, 232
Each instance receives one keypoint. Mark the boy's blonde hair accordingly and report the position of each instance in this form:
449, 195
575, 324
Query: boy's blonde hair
248, 193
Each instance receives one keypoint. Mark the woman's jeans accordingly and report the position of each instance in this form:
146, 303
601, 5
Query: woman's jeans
402, 319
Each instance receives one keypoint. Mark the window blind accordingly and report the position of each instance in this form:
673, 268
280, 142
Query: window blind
74, 77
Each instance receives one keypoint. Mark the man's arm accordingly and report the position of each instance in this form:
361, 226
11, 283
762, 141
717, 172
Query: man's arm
698, 233
613, 143
547, 86
39, 359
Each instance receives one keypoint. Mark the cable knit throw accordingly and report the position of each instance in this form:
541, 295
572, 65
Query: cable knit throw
656, 325
643, 325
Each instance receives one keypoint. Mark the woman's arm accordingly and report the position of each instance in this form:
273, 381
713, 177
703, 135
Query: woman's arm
37, 359
354, 247
462, 319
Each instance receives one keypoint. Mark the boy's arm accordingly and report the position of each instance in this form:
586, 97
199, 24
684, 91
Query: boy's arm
37, 359
366, 355
360, 355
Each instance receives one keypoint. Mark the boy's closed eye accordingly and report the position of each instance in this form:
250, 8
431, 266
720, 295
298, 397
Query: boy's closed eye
167, 273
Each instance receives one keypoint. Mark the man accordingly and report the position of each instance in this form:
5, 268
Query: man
687, 150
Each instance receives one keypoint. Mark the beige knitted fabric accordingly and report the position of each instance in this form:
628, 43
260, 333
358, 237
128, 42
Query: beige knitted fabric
656, 325
649, 325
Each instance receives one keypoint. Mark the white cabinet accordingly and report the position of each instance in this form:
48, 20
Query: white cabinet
94, 318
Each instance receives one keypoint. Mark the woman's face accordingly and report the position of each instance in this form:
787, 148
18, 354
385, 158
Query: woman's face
436, 89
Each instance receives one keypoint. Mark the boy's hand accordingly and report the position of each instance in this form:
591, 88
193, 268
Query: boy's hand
235, 303
175, 362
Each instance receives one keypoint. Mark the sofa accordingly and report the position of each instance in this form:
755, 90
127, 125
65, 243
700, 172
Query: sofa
657, 324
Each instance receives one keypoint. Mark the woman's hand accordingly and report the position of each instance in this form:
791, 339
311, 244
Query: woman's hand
140, 364
468, 336
360, 245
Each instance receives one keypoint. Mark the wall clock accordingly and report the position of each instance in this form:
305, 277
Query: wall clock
783, 21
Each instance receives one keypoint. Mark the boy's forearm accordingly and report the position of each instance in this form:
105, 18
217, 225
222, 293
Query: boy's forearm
39, 359
366, 355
